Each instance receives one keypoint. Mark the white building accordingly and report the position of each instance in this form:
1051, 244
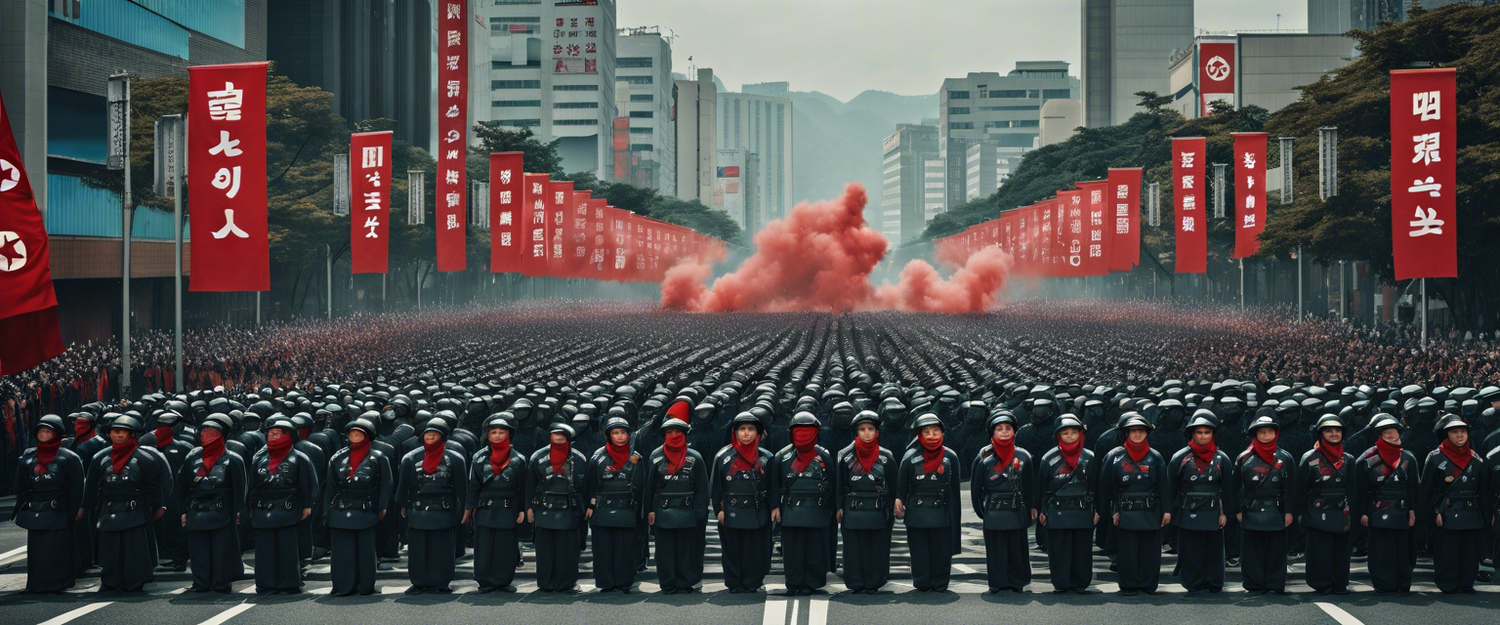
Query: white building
1061, 119
552, 69
735, 187
1125, 47
1266, 69
761, 125
643, 95
697, 145
903, 197
1002, 111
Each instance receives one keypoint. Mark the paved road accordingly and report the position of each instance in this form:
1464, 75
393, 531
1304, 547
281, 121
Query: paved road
164, 602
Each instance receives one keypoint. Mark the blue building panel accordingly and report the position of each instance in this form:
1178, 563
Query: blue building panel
221, 19
76, 209
136, 25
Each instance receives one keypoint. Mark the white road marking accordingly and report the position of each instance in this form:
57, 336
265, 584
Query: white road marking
964, 568
817, 613
1338, 614
13, 556
775, 612
796, 603
68, 616
228, 614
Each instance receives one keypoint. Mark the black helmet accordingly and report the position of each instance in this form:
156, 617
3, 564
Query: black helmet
804, 419
616, 423
167, 419
219, 421
362, 425
676, 423
750, 418
1384, 421
1132, 420
926, 420
1328, 421
279, 421
1202, 418
1449, 422
126, 422
500, 420
1001, 416
439, 425
564, 429
1264, 421
1063, 422
54, 423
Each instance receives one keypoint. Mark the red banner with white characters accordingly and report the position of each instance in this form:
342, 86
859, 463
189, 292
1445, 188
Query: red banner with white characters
1073, 238
507, 212
369, 211
559, 196
1215, 74
1424, 148
1190, 192
597, 241
29, 334
575, 249
1095, 240
1122, 218
453, 128
1249, 191
226, 183
534, 229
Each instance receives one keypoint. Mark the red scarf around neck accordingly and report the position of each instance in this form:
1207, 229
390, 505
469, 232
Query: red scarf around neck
618, 456
747, 457
163, 436
932, 454
805, 441
82, 430
1203, 455
674, 447
1005, 453
867, 453
1071, 453
278, 449
357, 453
1137, 451
1389, 454
1266, 451
499, 456
558, 454
432, 455
1459, 455
120, 454
46, 452
213, 448
1333, 453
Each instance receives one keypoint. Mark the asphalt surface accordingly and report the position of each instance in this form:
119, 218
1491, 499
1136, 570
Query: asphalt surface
164, 602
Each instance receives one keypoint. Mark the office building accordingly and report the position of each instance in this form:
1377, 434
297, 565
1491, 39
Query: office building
647, 154
1061, 119
1126, 44
735, 187
1002, 111
761, 125
904, 180
1264, 69
697, 137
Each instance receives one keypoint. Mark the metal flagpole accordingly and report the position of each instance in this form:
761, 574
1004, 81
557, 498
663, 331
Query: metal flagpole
177, 140
1343, 294
328, 254
1424, 314
1242, 284
257, 309
1299, 283
118, 89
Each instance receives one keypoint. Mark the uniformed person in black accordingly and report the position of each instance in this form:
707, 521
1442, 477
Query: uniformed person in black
1387, 501
740, 499
1454, 484
1002, 487
928, 499
497, 499
616, 486
86, 443
802, 502
1200, 475
355, 494
211, 486
283, 485
1264, 475
677, 493
1065, 505
49, 504
866, 493
1324, 485
431, 483
125, 488
169, 532
557, 480
1137, 491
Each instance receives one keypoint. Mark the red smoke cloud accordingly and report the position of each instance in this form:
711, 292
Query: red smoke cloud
820, 258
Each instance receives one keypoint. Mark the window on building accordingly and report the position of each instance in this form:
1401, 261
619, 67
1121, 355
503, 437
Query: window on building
575, 122
958, 95
642, 147
960, 125
520, 123
641, 131
633, 61
514, 25
958, 110
503, 65
1032, 107
642, 97
1056, 94
636, 80
643, 114
1025, 123
575, 105
516, 103
515, 84
575, 87
518, 1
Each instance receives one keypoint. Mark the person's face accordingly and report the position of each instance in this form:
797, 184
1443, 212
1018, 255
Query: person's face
746, 433
356, 436
1265, 435
1137, 435
1458, 436
45, 435
619, 436
119, 436
932, 433
1069, 435
498, 435
1391, 436
275, 434
431, 438
559, 439
1333, 436
1203, 435
1003, 432
867, 432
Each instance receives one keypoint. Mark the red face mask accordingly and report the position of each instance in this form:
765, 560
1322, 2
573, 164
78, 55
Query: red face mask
805, 442
674, 447
932, 454
213, 448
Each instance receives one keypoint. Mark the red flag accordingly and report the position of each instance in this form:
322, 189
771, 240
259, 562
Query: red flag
227, 180
453, 128
1215, 73
1096, 244
1249, 191
599, 262
1123, 222
1188, 154
369, 212
559, 194
575, 248
534, 230
507, 212
28, 306
1424, 148
1073, 237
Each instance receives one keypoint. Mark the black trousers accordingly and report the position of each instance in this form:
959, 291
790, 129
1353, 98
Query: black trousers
83, 543
304, 538
746, 556
429, 557
804, 555
352, 561
1390, 559
615, 554
125, 559
1069, 562
52, 565
867, 558
1200, 559
557, 556
677, 551
172, 536
1263, 560
214, 556
1139, 559
1327, 560
277, 566
1455, 558
1007, 562
388, 536
931, 556
496, 554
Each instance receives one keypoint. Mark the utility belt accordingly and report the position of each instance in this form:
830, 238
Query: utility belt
1333, 500
204, 501
433, 501
745, 501
622, 500
929, 500
1199, 500
866, 500
1274, 502
276, 498
1396, 504
1134, 503
667, 501
1005, 501
1463, 501
1073, 502
798, 500
116, 502
491, 500
51, 500
353, 500
552, 501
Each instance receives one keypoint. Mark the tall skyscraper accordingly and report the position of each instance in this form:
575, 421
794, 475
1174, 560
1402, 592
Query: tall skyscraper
1126, 48
643, 95
904, 181
1002, 111
697, 138
761, 125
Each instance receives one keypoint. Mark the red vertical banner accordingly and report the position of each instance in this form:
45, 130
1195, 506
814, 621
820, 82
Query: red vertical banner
534, 229
575, 249
29, 334
1189, 193
370, 209
1074, 239
618, 230
1215, 74
1424, 148
453, 128
1249, 191
1123, 218
507, 212
227, 180
559, 197
1046, 236
598, 240
1095, 244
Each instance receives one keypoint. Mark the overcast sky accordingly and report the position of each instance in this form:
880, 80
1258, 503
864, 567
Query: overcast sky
843, 47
